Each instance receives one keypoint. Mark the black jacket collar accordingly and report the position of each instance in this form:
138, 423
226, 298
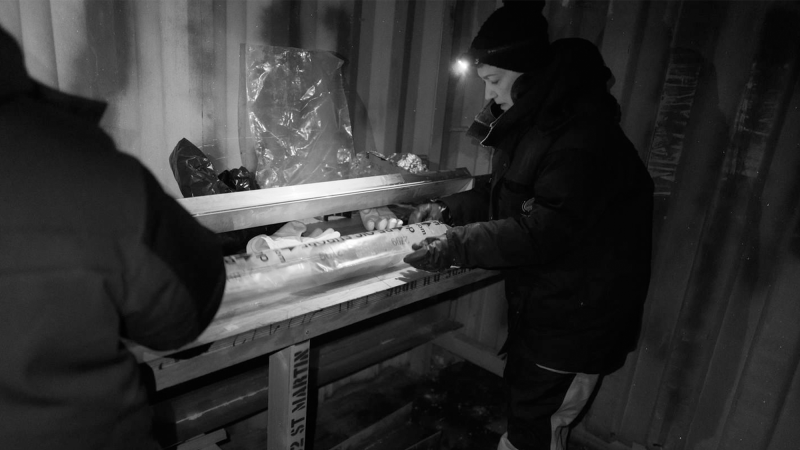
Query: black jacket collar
574, 84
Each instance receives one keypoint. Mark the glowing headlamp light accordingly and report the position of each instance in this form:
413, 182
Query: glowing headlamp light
474, 57
461, 66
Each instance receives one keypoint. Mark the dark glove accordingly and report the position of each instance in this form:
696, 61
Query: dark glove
434, 254
430, 211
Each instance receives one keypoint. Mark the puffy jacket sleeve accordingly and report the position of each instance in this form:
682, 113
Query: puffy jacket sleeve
569, 197
175, 276
473, 205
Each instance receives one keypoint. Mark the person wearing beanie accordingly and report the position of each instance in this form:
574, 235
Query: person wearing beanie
92, 251
567, 218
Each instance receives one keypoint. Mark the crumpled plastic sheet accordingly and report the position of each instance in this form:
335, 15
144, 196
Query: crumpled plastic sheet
316, 263
297, 115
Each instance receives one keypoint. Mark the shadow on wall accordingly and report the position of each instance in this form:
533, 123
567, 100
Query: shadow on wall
728, 269
345, 26
339, 22
107, 57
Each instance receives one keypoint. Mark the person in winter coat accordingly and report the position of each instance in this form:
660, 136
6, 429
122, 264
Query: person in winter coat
567, 217
92, 251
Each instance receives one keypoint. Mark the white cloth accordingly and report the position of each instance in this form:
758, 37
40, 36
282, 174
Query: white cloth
289, 235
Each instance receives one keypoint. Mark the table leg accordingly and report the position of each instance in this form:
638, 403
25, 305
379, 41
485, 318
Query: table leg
288, 397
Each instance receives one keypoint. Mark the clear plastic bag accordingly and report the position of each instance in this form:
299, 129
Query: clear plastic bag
297, 115
318, 263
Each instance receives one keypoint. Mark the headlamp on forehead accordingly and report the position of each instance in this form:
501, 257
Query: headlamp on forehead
518, 56
462, 65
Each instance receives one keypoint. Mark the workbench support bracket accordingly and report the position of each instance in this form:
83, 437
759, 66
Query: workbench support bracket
288, 397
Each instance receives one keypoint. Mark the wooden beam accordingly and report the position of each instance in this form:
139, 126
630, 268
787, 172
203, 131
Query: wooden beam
415, 286
245, 393
349, 354
383, 427
204, 441
473, 351
239, 210
288, 400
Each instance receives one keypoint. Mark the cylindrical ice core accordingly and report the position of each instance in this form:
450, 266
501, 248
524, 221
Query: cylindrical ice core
323, 262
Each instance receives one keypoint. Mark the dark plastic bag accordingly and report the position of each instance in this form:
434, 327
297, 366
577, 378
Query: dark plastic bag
194, 172
239, 179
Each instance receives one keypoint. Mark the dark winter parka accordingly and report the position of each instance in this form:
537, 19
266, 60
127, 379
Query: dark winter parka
567, 217
91, 251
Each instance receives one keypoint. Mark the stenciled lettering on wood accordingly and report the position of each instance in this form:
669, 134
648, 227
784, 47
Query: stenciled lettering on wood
429, 280
299, 399
301, 322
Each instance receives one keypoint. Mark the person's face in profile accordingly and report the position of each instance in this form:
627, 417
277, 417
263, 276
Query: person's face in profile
498, 84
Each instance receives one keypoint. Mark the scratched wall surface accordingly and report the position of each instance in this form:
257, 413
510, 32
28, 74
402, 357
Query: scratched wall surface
169, 69
709, 94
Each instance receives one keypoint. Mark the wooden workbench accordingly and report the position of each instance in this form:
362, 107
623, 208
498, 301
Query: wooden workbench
252, 324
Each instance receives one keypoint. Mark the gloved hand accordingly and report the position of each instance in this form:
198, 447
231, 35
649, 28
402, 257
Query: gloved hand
426, 212
381, 218
434, 254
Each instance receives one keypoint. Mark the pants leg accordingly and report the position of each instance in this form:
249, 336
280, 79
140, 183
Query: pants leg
542, 403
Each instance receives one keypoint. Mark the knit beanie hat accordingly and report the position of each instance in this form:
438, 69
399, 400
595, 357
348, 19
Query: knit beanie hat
514, 37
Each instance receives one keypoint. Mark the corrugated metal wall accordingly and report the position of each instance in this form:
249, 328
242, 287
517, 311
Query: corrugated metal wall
170, 68
709, 96
709, 92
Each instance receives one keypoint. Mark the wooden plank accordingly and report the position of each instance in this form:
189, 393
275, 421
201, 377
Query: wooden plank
204, 441
244, 391
381, 428
288, 399
473, 351
269, 330
240, 393
340, 358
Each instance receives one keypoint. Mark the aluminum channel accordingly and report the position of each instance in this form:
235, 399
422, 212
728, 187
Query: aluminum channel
239, 210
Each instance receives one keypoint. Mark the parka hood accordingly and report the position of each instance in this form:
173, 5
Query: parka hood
575, 83
15, 82
14, 79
